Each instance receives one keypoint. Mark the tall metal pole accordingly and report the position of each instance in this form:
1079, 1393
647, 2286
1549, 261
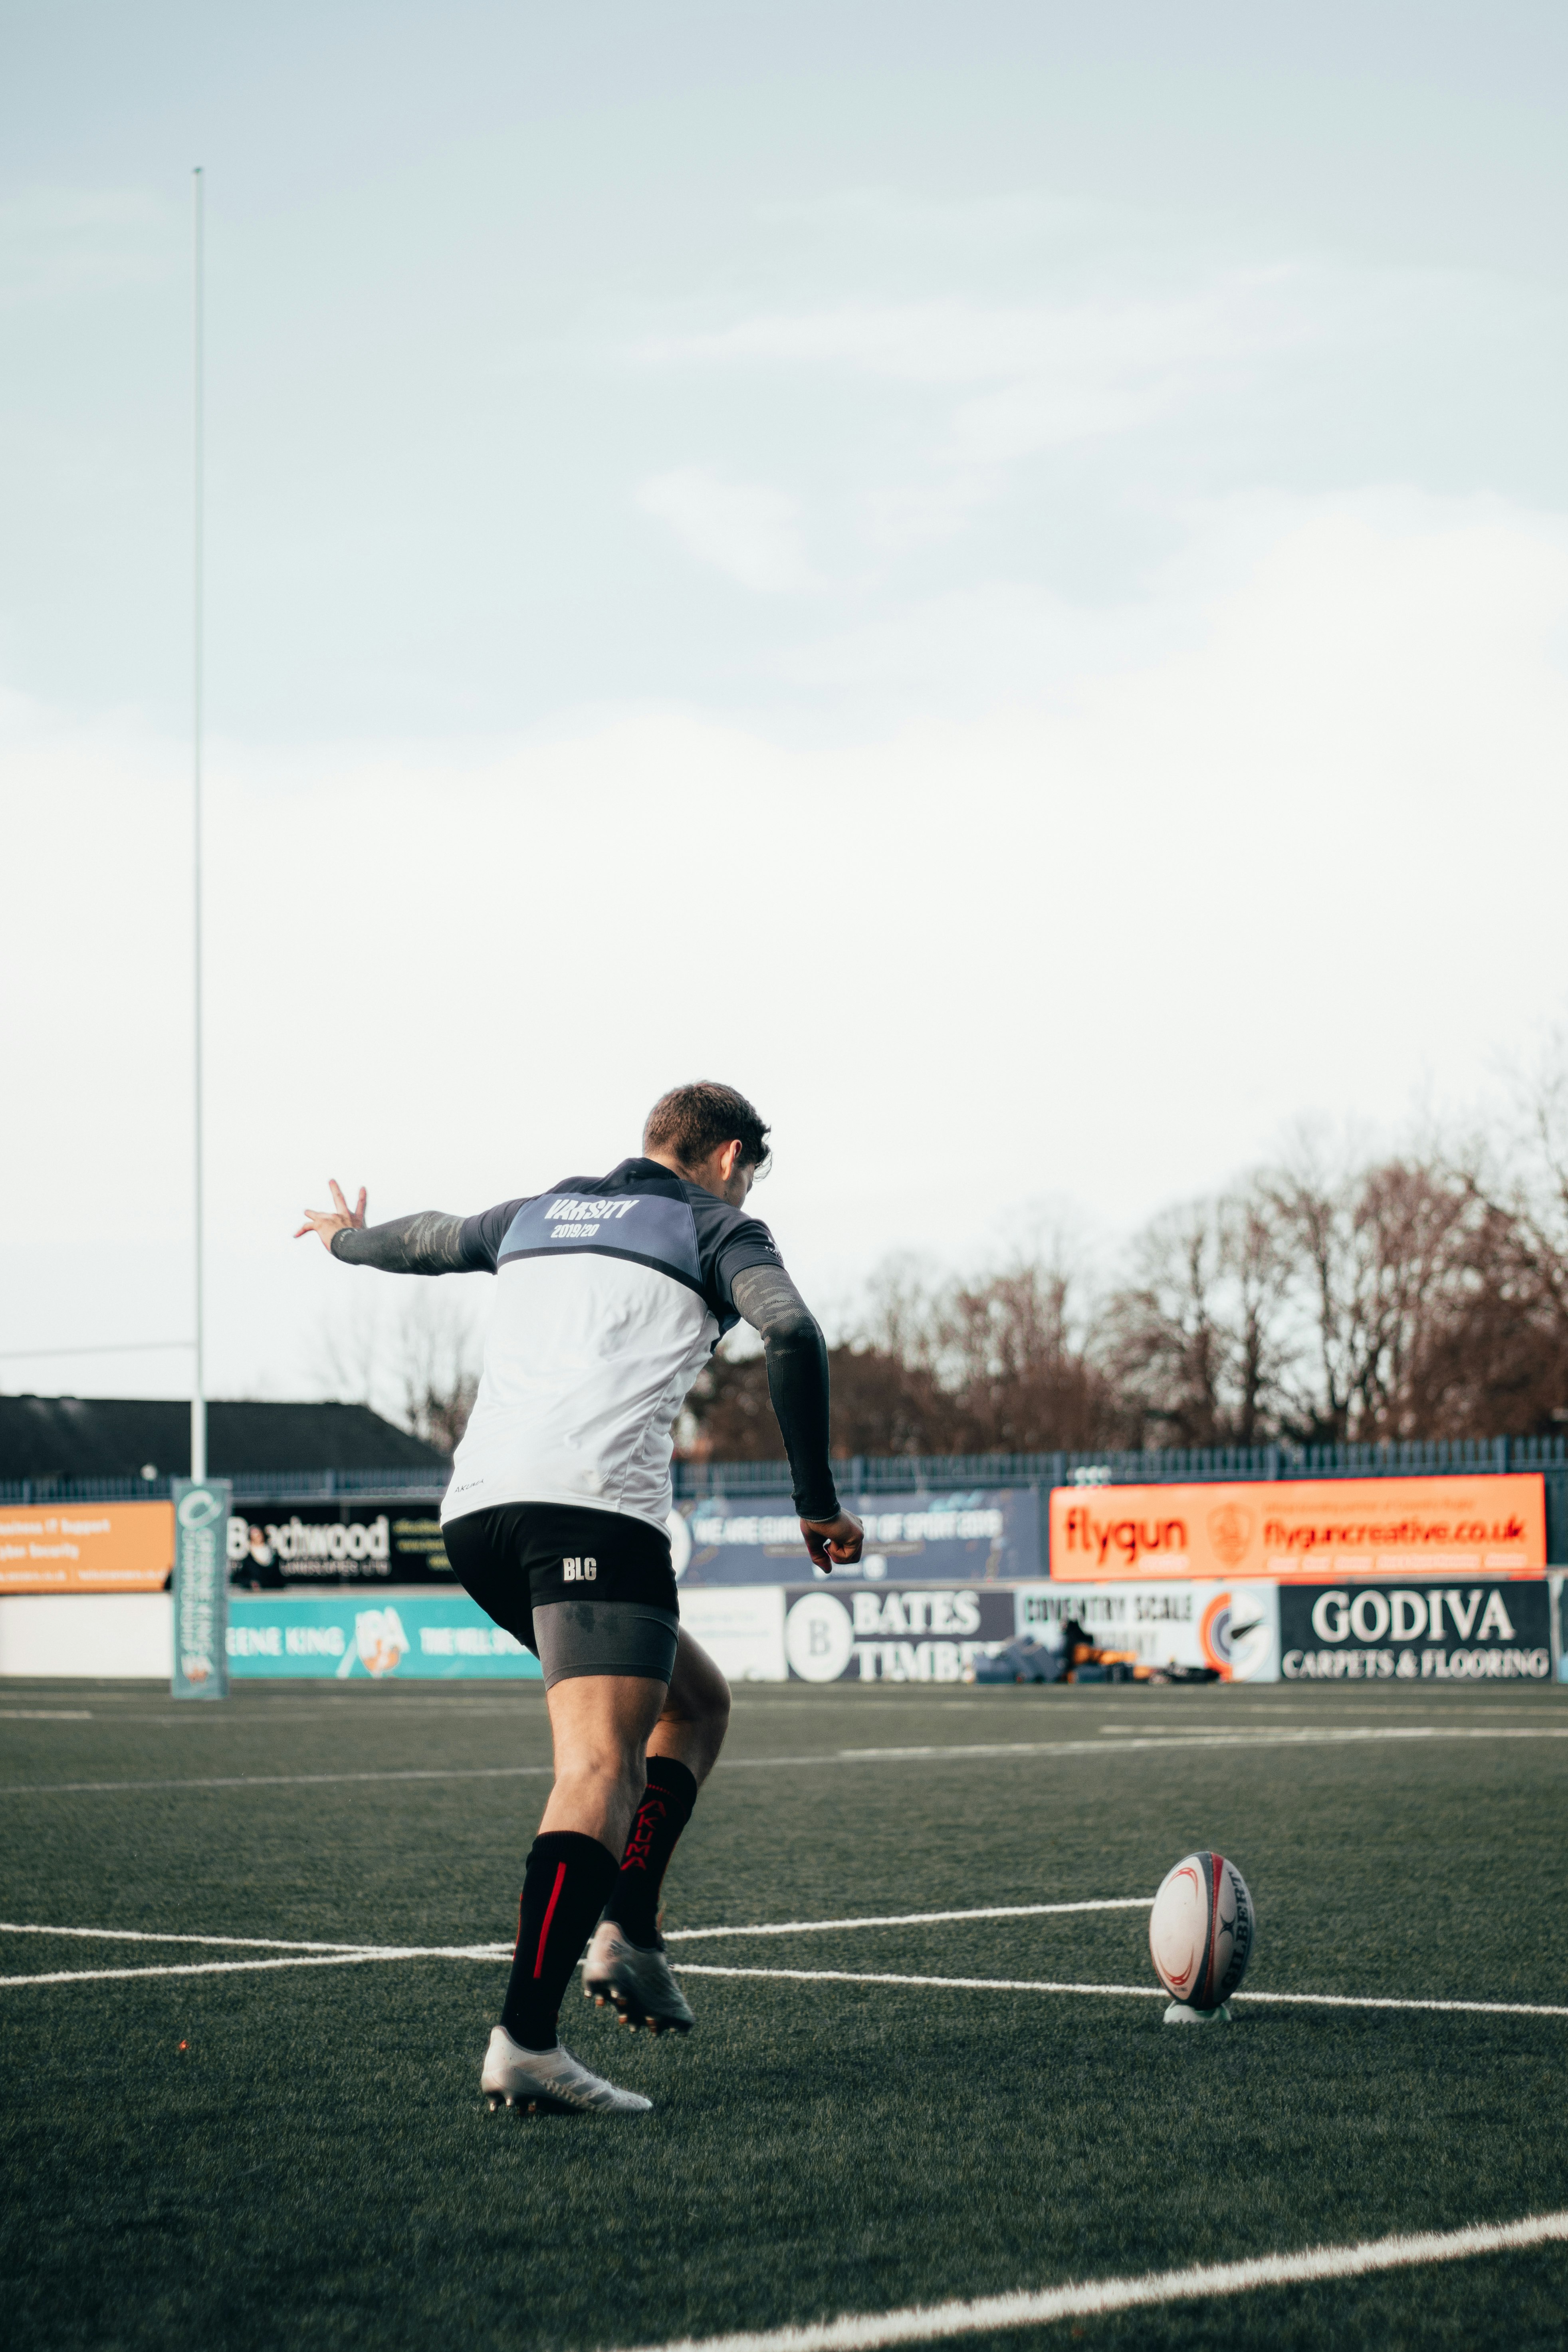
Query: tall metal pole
198, 1387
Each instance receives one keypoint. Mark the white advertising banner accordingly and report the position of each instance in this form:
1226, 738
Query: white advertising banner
740, 1626
1233, 1628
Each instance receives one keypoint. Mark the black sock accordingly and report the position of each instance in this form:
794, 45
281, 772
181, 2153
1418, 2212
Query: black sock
563, 1890
662, 1815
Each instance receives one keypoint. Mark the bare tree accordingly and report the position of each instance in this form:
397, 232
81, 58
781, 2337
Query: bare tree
1503, 1367
1193, 1345
1016, 1367
413, 1353
349, 1350
1380, 1258
993, 1365
440, 1356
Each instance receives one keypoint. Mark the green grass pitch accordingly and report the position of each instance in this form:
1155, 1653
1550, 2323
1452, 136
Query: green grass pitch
301, 2157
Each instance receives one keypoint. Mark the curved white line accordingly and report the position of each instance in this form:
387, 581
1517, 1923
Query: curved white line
862, 2332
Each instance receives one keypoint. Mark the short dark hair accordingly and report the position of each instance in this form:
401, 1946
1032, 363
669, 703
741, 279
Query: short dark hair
691, 1121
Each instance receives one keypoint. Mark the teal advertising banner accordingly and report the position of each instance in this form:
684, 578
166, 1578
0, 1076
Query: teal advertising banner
396, 1637
201, 1588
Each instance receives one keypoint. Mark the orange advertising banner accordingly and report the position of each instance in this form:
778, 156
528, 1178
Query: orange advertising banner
86, 1547
1313, 1527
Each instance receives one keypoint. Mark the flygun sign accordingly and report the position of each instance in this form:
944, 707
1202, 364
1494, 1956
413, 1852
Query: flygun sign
1308, 1528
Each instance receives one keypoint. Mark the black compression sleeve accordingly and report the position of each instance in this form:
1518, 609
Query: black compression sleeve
428, 1242
796, 1357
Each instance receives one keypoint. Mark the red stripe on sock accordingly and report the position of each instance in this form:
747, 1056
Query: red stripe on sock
549, 1915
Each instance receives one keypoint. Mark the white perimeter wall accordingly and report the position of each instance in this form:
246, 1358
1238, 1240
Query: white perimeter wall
131, 1633
98, 1634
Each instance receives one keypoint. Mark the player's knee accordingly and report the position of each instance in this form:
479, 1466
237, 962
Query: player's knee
611, 1770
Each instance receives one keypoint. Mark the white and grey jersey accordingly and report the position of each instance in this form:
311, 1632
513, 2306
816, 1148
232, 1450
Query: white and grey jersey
613, 1292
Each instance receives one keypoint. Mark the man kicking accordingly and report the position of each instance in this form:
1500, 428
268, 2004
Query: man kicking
612, 1293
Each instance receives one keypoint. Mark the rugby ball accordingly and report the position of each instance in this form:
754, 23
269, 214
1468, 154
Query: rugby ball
1201, 1930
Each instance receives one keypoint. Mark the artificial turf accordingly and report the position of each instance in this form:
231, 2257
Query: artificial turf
302, 2156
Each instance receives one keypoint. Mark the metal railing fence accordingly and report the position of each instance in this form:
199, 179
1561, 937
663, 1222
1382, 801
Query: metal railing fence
916, 1475
249, 1487
906, 1473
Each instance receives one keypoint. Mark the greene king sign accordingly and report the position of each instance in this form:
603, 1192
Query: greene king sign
1496, 1631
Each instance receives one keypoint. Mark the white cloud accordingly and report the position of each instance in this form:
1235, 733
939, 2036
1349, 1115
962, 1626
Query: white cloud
1297, 852
1037, 374
64, 244
748, 531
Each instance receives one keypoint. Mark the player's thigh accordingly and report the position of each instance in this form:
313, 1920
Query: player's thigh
601, 1722
698, 1691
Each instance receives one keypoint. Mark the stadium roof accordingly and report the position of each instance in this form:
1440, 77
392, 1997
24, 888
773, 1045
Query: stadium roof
120, 1437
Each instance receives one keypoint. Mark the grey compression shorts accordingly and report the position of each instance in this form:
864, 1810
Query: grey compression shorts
605, 1637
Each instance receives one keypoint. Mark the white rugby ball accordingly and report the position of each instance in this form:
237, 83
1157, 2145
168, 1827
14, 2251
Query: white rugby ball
1201, 1930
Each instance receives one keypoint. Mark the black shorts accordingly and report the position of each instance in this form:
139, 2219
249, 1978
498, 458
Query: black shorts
589, 1592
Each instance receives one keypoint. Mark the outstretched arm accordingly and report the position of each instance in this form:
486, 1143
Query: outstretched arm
796, 1357
427, 1242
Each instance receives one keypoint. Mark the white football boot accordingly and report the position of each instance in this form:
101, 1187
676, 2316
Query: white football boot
549, 2079
635, 1981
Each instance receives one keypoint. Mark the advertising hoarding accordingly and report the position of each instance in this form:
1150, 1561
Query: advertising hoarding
1495, 1630
741, 1627
1315, 1528
366, 1541
1181, 1623
201, 1589
403, 1637
86, 1547
900, 1633
982, 1535
443, 1635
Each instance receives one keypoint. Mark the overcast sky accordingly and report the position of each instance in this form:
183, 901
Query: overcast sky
995, 576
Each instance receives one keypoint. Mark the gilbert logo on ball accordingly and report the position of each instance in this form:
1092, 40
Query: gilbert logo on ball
1201, 1932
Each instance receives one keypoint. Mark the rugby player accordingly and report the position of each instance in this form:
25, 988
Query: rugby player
612, 1293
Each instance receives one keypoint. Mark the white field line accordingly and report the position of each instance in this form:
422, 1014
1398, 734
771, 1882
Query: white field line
282, 1779
913, 1918
862, 2332
1120, 1991
1352, 1735
344, 1959
147, 1936
47, 1714
352, 1955
1162, 1743
677, 1934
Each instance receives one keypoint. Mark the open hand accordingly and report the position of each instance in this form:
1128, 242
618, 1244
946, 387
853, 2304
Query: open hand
325, 1222
833, 1543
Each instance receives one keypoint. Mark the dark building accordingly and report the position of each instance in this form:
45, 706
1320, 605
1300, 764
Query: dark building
130, 1437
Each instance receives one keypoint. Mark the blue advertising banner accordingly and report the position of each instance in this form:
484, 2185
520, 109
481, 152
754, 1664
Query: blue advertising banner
991, 1536
401, 1637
